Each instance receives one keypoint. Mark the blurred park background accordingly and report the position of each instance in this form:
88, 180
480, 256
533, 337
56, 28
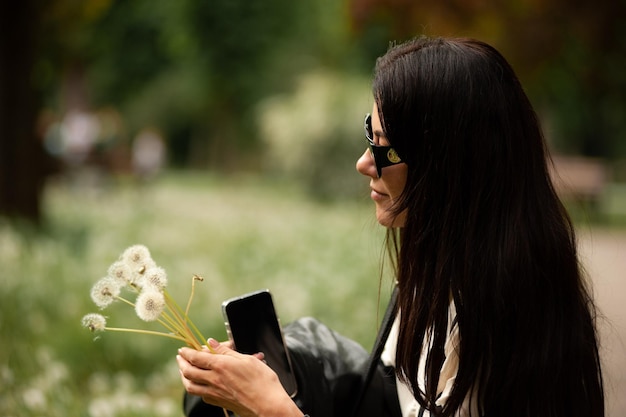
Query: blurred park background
223, 134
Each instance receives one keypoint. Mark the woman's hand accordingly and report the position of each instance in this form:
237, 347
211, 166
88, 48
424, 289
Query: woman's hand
240, 383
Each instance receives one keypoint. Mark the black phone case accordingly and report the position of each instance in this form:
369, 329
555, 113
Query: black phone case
253, 326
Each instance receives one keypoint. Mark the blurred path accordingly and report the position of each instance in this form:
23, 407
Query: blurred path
603, 253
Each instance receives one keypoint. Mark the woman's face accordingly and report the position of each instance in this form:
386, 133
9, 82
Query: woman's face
387, 188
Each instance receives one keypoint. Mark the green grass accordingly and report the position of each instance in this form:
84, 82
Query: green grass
241, 234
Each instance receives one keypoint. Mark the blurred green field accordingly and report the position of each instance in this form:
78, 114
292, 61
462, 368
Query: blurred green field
241, 234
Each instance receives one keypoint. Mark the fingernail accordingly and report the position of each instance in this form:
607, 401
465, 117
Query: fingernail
213, 343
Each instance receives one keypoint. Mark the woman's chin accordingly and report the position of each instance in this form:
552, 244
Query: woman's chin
389, 219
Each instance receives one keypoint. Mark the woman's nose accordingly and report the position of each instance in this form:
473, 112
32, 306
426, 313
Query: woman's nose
365, 165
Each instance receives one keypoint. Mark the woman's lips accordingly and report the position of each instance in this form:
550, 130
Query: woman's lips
377, 195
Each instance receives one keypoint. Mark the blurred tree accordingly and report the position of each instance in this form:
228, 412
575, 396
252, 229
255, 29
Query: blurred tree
38, 40
583, 83
239, 44
22, 166
570, 55
195, 69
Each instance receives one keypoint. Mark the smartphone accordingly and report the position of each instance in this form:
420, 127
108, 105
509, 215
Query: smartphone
253, 326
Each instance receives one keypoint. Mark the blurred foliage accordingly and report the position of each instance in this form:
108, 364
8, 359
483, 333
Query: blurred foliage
203, 72
317, 259
321, 149
196, 69
240, 233
569, 55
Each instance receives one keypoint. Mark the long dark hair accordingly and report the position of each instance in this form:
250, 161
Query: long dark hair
484, 229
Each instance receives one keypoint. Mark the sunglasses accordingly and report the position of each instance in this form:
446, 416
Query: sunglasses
384, 156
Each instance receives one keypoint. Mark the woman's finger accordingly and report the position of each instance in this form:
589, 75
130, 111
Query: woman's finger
199, 359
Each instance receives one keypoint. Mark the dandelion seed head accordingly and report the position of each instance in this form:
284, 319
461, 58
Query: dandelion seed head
150, 304
138, 258
105, 291
155, 278
121, 272
94, 322
34, 399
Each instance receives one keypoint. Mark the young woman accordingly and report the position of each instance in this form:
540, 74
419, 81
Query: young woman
494, 316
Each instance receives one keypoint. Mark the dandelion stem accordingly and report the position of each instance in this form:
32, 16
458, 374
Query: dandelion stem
194, 329
180, 327
126, 301
193, 289
149, 332
181, 319
174, 307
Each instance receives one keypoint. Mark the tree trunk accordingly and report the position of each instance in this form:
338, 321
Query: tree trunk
23, 162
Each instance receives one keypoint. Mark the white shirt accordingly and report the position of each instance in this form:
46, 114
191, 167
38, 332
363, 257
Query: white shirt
408, 404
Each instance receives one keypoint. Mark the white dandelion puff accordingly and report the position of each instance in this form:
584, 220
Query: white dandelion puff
138, 258
121, 272
154, 277
94, 322
105, 291
149, 305
136, 269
